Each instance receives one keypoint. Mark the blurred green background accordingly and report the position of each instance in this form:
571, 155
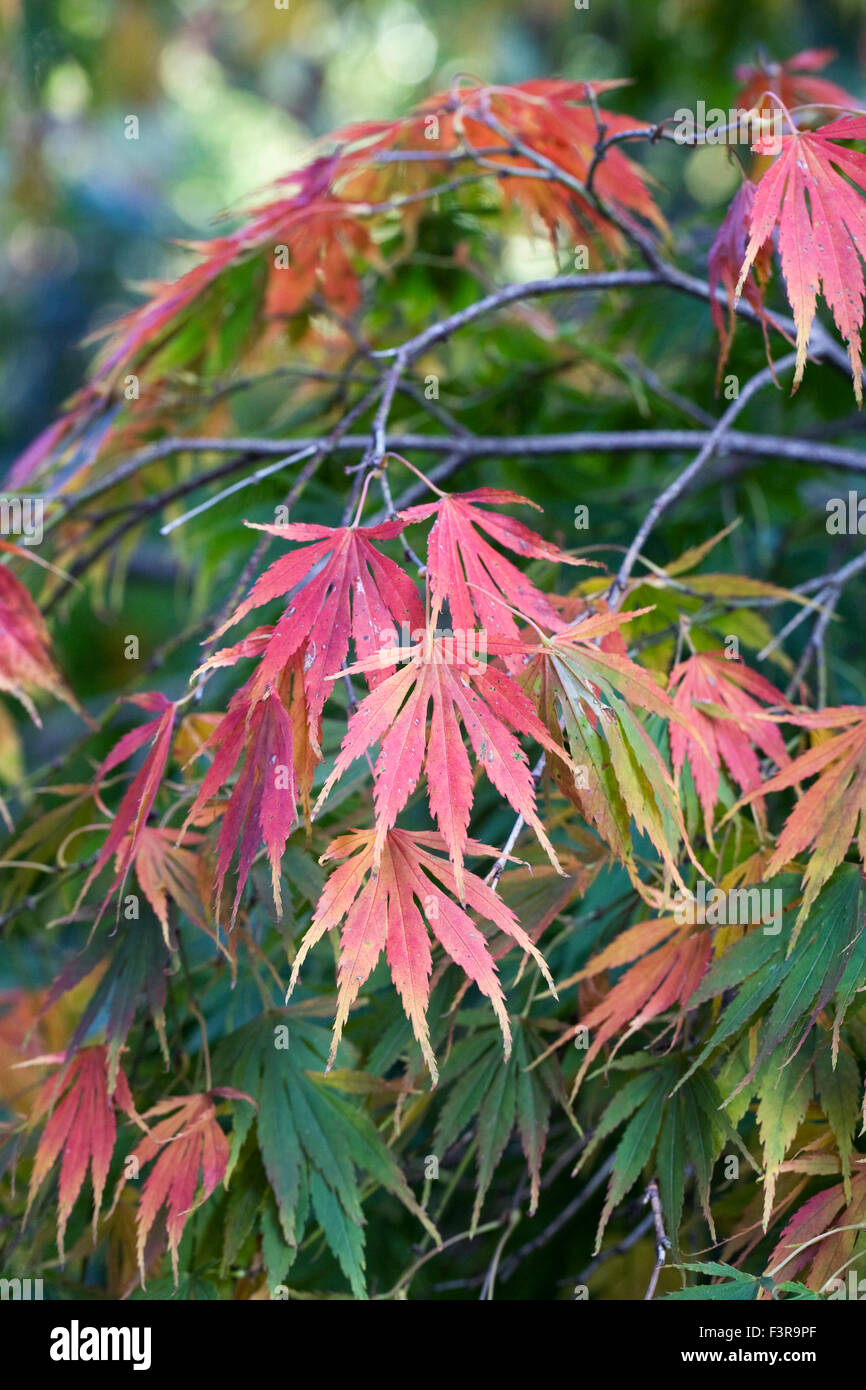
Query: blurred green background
228, 94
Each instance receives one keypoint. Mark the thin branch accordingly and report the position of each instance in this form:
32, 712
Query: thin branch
622, 1246
559, 1222
248, 481
682, 481
496, 872
804, 450
666, 394
663, 1244
511, 294
828, 597
489, 1284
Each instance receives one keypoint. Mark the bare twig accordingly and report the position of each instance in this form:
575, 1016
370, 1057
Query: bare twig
828, 596
496, 872
559, 1222
622, 1246
248, 481
679, 485
804, 451
663, 1244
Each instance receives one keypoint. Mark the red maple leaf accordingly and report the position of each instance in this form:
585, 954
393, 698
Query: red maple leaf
821, 236
791, 83
383, 895
266, 728
821, 1234
341, 572
25, 657
320, 252
554, 118
124, 837
724, 263
81, 1126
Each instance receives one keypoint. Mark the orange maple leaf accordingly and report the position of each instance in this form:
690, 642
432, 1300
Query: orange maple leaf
321, 214
670, 959
167, 868
767, 83
826, 816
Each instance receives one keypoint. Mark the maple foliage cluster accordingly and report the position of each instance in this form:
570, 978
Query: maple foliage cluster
308, 836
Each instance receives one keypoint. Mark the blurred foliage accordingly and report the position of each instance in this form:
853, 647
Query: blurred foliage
228, 94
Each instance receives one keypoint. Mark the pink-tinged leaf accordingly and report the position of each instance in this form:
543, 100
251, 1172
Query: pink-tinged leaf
826, 816
168, 868
25, 647
81, 1126
620, 774
673, 960
466, 571
262, 806
811, 193
723, 264
710, 678
791, 83
337, 583
124, 837
388, 903
492, 709
191, 1153
821, 1234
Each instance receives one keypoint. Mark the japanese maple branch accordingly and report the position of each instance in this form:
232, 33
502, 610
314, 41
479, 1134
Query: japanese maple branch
375, 452
661, 274
627, 1243
828, 596
559, 1222
459, 450
666, 499
804, 450
404, 387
